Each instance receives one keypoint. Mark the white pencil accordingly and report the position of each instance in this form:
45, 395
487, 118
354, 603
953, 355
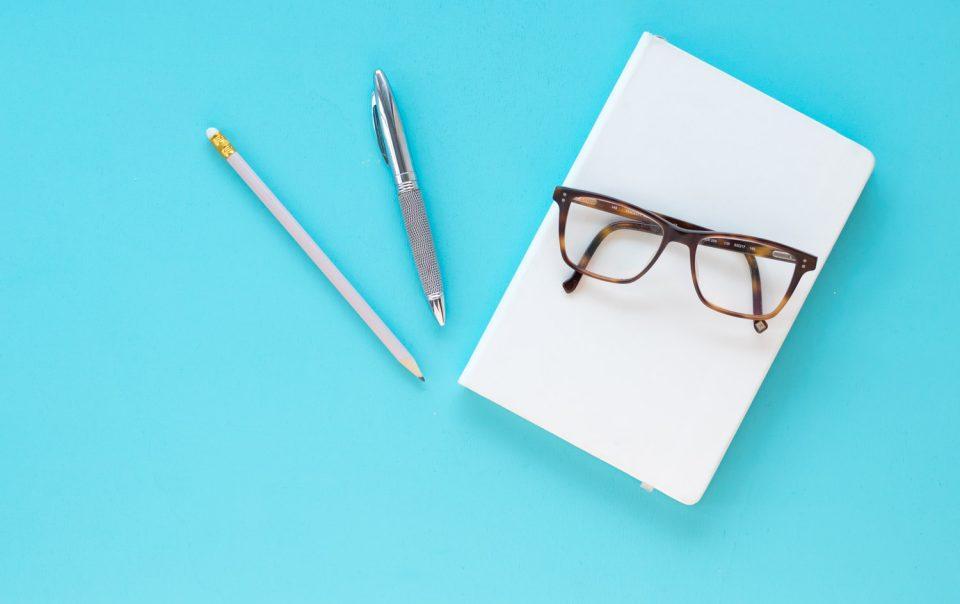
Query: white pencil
374, 322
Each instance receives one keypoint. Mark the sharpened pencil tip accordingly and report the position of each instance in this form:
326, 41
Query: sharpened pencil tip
423, 379
412, 367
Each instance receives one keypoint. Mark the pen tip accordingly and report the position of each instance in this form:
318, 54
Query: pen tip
439, 310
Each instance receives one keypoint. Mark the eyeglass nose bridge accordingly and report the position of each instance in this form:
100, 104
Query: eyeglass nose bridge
673, 233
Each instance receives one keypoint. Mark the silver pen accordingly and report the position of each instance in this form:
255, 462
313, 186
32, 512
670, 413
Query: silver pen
393, 147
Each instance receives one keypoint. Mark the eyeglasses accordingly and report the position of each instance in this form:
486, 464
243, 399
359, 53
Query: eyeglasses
618, 242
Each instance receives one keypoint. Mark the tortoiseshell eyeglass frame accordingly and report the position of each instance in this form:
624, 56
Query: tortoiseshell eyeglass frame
683, 232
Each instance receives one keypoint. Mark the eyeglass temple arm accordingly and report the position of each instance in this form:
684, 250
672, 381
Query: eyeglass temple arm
571, 284
759, 326
644, 225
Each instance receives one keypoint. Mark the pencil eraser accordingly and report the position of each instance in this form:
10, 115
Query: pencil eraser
212, 132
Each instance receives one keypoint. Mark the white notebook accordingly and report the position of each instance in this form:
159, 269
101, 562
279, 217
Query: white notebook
643, 375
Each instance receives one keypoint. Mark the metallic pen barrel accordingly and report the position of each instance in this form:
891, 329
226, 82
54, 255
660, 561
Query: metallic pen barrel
396, 154
421, 242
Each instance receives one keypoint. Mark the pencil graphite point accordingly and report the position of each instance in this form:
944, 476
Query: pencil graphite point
413, 368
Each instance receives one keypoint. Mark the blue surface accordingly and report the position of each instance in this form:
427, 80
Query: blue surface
189, 413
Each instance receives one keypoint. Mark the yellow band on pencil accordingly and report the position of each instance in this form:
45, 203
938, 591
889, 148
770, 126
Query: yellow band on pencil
222, 145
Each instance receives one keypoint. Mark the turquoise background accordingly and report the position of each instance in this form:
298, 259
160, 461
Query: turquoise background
189, 413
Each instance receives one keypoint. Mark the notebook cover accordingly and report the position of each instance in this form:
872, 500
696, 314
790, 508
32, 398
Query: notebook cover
644, 376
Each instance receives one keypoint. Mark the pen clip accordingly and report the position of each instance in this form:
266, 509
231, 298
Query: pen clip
389, 130
377, 128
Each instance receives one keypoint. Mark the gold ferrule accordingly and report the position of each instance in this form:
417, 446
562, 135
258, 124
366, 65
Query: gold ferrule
222, 145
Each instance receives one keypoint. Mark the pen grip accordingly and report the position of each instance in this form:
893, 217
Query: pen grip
421, 240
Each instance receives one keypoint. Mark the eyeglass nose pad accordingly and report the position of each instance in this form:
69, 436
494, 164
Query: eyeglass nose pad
760, 326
